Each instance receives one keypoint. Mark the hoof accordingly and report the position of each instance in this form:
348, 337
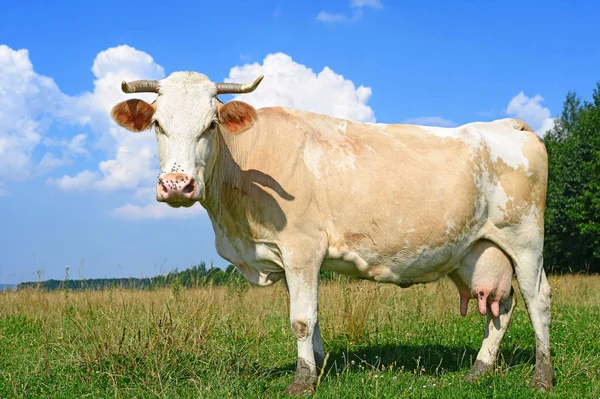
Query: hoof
543, 382
479, 368
541, 385
305, 381
543, 379
300, 389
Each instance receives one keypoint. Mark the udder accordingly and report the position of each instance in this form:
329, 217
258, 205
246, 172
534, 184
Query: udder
485, 273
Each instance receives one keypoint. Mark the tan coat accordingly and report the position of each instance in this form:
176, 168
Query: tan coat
392, 203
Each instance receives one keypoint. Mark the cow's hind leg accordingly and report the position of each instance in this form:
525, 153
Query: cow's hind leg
536, 293
495, 328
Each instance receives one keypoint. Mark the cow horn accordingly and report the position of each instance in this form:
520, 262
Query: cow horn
140, 86
237, 88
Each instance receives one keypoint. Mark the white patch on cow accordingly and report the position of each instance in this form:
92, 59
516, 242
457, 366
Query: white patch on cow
380, 128
504, 142
355, 258
529, 230
373, 124
334, 133
499, 136
399, 221
463, 133
499, 149
450, 226
345, 261
348, 162
264, 251
498, 200
312, 158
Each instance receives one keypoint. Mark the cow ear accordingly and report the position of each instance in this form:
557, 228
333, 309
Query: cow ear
237, 116
134, 114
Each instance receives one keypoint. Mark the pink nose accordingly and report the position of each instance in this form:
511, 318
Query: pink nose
176, 187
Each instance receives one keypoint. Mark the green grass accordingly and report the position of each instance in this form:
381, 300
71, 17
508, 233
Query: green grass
383, 342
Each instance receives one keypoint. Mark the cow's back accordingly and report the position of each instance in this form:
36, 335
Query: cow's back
389, 196
417, 195
390, 192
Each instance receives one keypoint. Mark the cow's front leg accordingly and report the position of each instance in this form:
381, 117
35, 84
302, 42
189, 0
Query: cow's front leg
302, 285
318, 350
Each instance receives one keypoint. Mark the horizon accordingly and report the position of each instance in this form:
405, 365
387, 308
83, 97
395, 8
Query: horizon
83, 278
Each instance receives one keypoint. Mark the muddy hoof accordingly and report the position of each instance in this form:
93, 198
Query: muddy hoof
542, 382
479, 369
300, 389
543, 379
542, 386
471, 377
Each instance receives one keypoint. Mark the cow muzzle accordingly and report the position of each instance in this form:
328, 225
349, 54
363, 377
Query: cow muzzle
177, 189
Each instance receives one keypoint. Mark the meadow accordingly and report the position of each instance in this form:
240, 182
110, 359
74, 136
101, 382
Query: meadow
235, 341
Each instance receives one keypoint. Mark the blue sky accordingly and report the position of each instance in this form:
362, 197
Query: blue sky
73, 186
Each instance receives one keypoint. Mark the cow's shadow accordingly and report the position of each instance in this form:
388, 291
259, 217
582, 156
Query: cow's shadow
420, 359
250, 197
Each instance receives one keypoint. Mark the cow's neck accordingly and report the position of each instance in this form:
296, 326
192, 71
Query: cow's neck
228, 185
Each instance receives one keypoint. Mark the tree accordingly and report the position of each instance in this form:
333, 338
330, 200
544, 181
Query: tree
572, 242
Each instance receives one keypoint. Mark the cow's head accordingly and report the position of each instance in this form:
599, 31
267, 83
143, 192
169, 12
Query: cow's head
185, 116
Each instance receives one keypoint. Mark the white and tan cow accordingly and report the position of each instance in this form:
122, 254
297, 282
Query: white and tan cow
290, 192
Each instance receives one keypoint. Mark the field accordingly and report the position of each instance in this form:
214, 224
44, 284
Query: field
221, 342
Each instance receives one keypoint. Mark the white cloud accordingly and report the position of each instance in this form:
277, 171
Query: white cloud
366, 3
290, 84
70, 149
84, 180
357, 12
112, 66
76, 145
157, 211
325, 16
29, 103
133, 163
50, 162
430, 121
531, 111
73, 146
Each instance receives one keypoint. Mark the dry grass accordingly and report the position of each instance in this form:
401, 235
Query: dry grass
228, 341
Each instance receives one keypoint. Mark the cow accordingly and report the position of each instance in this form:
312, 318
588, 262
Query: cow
291, 192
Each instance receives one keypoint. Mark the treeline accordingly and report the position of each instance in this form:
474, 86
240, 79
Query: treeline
572, 219
196, 276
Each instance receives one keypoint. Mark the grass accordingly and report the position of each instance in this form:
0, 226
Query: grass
383, 342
